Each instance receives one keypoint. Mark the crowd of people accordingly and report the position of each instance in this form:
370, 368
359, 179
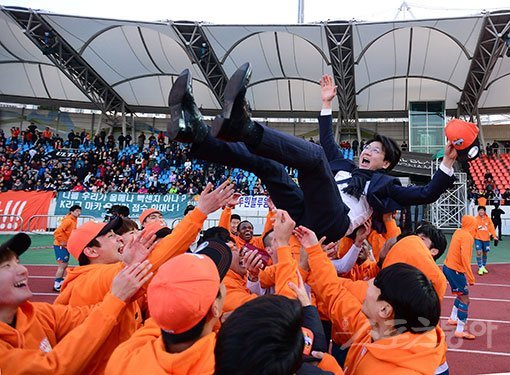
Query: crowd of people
331, 267
153, 165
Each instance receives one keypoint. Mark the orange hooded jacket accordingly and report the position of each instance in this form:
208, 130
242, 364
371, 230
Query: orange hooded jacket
461, 248
406, 353
62, 233
144, 353
412, 250
53, 339
87, 285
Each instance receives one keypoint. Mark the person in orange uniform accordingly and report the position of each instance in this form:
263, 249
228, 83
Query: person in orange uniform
235, 280
184, 307
102, 255
390, 333
39, 338
484, 230
61, 236
457, 269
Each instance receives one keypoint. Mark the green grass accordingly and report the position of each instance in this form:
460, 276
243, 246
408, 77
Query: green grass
41, 251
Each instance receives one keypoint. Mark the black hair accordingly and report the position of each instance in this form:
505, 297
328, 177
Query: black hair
390, 148
84, 260
416, 306
482, 208
435, 235
188, 208
75, 207
127, 226
244, 221
263, 336
6, 255
218, 233
192, 334
235, 216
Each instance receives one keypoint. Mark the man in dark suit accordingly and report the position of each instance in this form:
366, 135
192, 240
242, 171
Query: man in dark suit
321, 202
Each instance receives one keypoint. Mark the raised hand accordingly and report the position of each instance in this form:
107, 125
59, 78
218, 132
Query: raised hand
450, 155
305, 236
234, 200
252, 261
328, 91
300, 291
138, 248
211, 200
363, 232
283, 226
129, 280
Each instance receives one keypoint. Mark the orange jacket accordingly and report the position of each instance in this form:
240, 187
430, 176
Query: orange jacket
329, 363
364, 271
53, 339
412, 250
144, 353
237, 292
461, 248
62, 233
484, 228
87, 285
256, 241
406, 353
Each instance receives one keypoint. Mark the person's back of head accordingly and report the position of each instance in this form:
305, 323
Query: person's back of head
263, 336
416, 307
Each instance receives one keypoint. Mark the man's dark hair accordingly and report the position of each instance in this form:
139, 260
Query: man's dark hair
127, 226
244, 221
416, 306
435, 235
235, 216
7, 255
481, 208
265, 237
84, 260
190, 335
188, 208
216, 233
263, 336
390, 148
75, 207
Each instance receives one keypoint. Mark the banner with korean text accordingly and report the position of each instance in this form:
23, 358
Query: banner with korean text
95, 204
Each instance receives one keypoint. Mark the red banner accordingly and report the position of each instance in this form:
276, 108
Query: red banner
23, 204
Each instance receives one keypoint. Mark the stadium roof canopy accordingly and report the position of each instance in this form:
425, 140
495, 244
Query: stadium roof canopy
380, 67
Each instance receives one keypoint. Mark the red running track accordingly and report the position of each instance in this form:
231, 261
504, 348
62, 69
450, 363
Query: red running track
489, 320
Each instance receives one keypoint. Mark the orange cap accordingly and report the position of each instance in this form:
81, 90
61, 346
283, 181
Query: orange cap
182, 292
464, 137
81, 236
146, 213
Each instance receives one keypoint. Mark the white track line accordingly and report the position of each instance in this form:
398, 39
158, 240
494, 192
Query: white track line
41, 277
481, 320
482, 299
45, 294
479, 352
488, 284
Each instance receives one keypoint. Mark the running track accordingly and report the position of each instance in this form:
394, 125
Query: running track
489, 320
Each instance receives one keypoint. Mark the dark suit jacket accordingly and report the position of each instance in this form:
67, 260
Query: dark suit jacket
385, 193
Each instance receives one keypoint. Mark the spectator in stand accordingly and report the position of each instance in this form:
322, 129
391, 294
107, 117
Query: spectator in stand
496, 220
141, 140
506, 195
488, 150
47, 136
495, 148
355, 146
507, 147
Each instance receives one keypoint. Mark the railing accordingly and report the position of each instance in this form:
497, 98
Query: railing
11, 225
52, 222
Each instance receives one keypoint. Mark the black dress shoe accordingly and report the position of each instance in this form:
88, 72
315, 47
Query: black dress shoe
234, 123
186, 124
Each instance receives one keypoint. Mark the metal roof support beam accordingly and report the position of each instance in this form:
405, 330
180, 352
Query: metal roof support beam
491, 45
341, 52
68, 60
201, 53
